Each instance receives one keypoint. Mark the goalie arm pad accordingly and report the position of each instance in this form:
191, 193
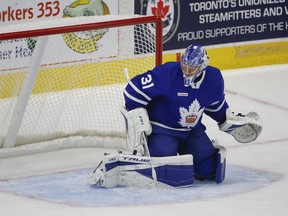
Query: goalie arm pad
244, 128
137, 122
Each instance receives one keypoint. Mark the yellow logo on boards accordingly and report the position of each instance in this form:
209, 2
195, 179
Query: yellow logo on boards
85, 41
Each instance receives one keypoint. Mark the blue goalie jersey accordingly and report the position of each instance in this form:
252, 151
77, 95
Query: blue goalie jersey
173, 106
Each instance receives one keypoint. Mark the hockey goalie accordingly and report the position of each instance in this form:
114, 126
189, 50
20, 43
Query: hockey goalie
167, 140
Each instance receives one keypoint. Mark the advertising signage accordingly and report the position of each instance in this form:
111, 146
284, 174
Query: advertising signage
213, 22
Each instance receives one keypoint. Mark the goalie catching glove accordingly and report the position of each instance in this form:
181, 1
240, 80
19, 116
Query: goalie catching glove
244, 128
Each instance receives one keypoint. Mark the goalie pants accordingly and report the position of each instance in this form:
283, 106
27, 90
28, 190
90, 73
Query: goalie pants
164, 142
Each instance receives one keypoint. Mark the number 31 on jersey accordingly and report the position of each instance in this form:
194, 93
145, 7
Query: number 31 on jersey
147, 81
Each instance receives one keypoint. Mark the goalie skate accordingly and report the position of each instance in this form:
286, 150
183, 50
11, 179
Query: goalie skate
97, 177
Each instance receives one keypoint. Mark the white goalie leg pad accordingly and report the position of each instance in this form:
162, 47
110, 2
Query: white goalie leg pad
244, 128
129, 167
135, 171
137, 122
172, 171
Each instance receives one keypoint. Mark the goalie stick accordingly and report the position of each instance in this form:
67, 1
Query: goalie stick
92, 180
147, 153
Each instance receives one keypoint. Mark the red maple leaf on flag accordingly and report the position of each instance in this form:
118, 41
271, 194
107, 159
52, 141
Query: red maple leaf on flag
160, 10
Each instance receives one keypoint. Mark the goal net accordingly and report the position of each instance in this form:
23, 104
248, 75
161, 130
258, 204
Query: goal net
65, 78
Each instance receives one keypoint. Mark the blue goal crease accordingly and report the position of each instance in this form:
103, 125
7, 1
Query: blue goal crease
72, 188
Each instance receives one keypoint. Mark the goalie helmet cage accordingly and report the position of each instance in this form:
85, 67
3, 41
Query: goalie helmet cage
65, 77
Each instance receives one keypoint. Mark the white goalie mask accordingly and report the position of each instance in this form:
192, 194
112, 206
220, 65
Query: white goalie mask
193, 63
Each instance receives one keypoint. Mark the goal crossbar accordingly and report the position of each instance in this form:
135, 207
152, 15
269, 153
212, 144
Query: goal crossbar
83, 23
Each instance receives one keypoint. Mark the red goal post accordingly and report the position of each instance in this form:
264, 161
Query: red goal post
64, 78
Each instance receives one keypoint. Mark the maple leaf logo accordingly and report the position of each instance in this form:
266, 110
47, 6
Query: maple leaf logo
190, 116
161, 10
